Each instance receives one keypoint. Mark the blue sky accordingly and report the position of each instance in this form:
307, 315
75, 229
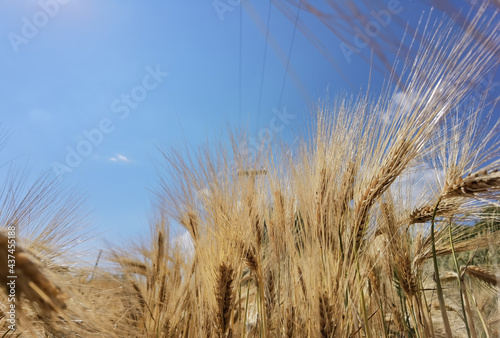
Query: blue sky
75, 71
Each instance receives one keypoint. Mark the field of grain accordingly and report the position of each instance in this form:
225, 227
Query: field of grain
379, 225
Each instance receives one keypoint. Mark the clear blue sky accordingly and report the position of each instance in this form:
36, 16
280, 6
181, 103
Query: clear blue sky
78, 68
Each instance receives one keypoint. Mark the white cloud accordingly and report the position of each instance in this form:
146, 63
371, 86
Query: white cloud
400, 105
204, 194
119, 158
417, 185
185, 242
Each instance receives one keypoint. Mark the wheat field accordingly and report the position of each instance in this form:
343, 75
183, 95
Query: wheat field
383, 223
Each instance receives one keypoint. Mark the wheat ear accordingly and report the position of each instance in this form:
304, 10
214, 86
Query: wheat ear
471, 185
224, 297
31, 280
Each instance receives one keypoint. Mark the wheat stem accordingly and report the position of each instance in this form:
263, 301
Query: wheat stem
469, 333
446, 322
483, 322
